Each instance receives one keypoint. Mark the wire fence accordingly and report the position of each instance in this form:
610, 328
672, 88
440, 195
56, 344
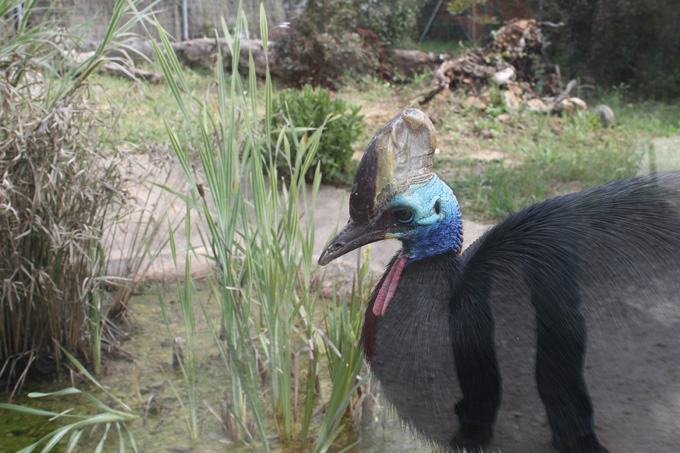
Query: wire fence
182, 19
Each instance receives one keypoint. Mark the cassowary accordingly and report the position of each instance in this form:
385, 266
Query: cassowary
429, 326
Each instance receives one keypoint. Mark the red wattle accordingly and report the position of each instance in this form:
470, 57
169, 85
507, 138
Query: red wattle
389, 286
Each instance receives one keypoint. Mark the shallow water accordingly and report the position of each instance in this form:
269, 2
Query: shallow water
139, 381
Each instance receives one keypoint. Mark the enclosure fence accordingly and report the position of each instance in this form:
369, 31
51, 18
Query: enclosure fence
182, 19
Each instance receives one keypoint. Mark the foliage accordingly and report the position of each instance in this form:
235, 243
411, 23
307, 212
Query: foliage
260, 237
56, 192
345, 361
312, 108
472, 8
331, 39
300, 62
107, 417
392, 21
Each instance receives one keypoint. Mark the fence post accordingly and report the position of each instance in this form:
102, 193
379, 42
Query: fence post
185, 20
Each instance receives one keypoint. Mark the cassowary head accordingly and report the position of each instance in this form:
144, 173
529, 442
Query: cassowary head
396, 194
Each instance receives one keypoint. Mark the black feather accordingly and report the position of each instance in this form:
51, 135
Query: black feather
606, 248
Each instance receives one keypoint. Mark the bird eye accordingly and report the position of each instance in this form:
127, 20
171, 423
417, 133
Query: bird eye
403, 215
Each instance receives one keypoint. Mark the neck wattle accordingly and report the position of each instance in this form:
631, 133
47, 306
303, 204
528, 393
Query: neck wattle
427, 239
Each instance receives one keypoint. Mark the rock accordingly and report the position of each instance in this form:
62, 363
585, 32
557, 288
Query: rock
536, 105
486, 97
474, 102
580, 104
516, 90
504, 77
503, 118
512, 102
570, 105
606, 114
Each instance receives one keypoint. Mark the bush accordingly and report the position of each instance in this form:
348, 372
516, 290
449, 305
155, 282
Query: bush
392, 22
310, 108
336, 38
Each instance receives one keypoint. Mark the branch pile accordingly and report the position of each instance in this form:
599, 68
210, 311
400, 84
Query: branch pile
513, 61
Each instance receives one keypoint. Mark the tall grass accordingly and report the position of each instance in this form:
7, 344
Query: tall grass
258, 230
57, 191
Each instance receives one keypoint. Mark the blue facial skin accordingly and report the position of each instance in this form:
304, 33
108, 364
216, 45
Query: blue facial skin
436, 221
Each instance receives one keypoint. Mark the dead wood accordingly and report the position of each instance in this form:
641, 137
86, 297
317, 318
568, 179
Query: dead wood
407, 63
131, 72
565, 94
509, 57
203, 52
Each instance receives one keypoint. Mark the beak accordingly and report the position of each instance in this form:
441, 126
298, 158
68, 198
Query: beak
351, 237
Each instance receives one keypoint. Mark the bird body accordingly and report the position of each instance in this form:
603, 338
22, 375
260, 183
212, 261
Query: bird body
429, 328
424, 389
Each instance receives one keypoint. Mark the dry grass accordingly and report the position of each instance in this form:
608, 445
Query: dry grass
54, 194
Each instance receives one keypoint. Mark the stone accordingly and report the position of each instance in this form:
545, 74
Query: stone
536, 105
516, 90
512, 102
570, 105
605, 114
504, 77
474, 102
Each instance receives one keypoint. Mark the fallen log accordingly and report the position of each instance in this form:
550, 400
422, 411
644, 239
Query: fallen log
128, 71
131, 72
407, 63
203, 52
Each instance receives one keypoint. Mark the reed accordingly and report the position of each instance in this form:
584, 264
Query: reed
258, 231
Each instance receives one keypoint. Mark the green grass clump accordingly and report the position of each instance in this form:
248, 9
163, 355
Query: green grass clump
439, 46
140, 111
314, 108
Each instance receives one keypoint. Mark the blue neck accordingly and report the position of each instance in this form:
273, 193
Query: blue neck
437, 227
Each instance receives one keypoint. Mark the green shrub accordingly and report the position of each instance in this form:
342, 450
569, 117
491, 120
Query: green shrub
310, 108
392, 22
332, 39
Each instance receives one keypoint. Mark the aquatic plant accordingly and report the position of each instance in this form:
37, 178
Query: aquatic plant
258, 230
108, 418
